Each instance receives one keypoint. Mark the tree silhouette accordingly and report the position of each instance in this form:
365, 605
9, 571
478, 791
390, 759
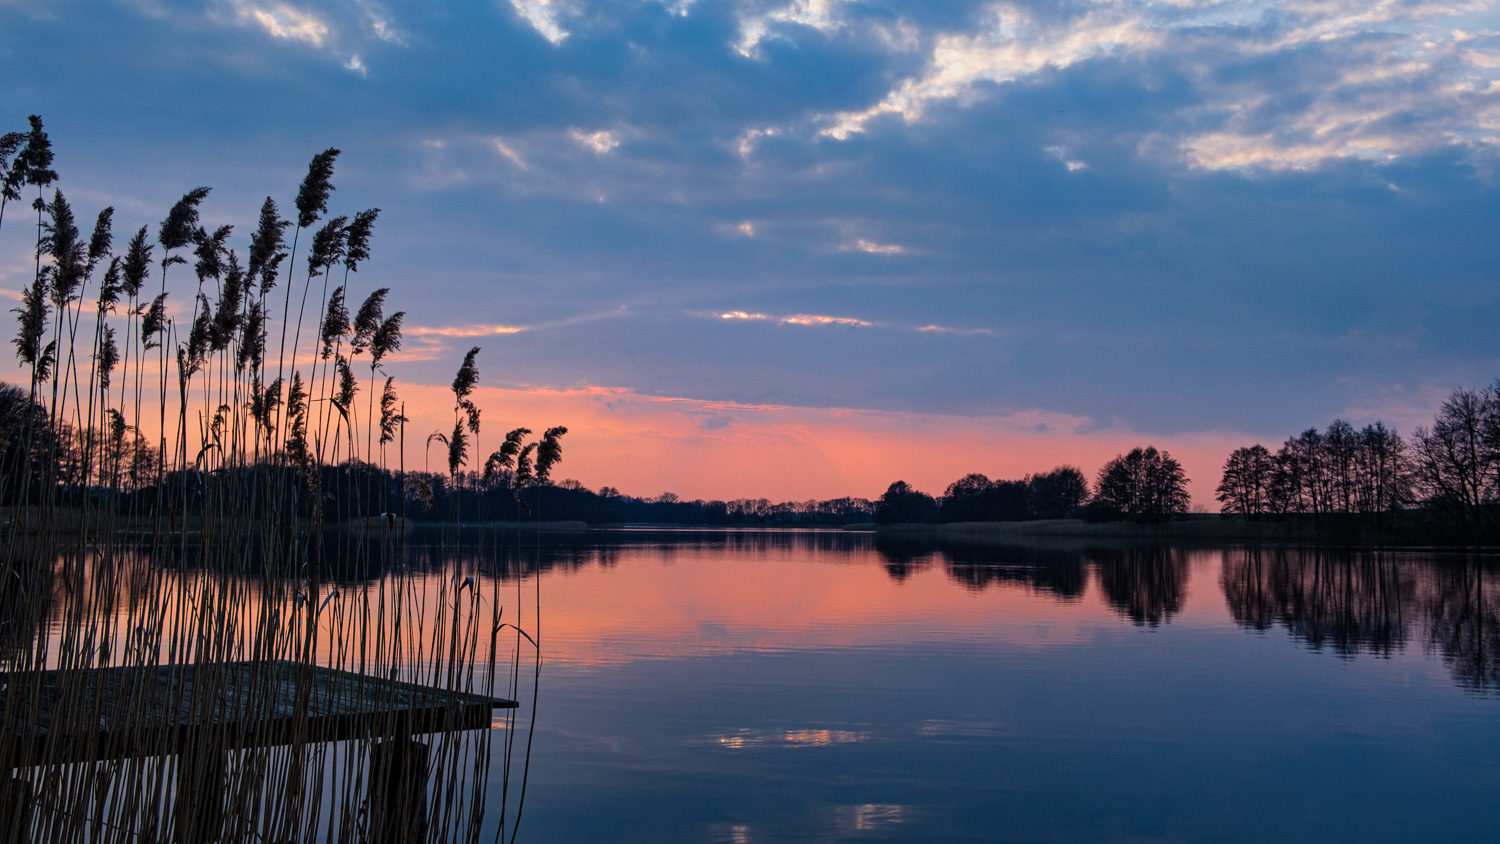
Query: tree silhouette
966, 499
1245, 488
1057, 494
1458, 458
1145, 485
901, 504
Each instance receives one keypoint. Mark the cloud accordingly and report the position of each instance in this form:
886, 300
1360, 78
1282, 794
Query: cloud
820, 319
433, 336
1367, 101
810, 320
509, 153
380, 23
348, 32
543, 17
463, 330
945, 329
280, 20
797, 319
1062, 154
1015, 46
601, 141
1316, 81
745, 145
820, 15
874, 248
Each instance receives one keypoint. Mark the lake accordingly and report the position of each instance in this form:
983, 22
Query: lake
747, 686
752, 686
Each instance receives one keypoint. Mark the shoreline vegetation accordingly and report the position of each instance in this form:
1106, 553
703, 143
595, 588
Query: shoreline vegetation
192, 421
1210, 528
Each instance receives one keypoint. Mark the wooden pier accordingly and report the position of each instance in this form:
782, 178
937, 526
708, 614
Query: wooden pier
202, 713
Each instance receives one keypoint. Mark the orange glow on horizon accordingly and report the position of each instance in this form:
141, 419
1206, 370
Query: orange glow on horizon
645, 445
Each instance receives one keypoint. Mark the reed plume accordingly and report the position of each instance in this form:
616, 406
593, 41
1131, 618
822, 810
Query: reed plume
253, 348
33, 324
266, 244
12, 173
108, 356
62, 242
367, 320
154, 322
357, 239
335, 322
549, 453
312, 197
505, 456
33, 166
180, 227
137, 264
463, 386
390, 417
230, 313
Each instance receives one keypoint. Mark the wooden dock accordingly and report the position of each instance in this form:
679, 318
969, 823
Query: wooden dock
201, 714
63, 717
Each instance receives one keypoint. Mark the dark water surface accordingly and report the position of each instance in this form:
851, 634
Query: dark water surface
747, 687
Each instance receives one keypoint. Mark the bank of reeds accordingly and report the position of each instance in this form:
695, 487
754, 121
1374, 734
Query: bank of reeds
168, 458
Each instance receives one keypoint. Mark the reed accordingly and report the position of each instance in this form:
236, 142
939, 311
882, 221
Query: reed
167, 504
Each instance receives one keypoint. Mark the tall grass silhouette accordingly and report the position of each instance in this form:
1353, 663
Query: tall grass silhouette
166, 489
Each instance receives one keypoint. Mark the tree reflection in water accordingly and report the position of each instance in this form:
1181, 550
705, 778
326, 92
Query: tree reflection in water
904, 556
1349, 602
978, 566
1145, 583
1374, 602
1463, 625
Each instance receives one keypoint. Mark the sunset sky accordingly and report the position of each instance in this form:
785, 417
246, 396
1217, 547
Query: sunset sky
804, 249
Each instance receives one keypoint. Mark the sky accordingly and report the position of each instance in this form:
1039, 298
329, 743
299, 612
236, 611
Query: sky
798, 250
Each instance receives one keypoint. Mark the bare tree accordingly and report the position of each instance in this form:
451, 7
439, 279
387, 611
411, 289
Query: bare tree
1246, 486
1457, 459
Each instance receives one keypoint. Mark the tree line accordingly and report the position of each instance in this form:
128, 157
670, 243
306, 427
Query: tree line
1143, 485
478, 497
1446, 473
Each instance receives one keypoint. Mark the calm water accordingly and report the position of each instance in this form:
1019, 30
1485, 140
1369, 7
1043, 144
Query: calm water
748, 687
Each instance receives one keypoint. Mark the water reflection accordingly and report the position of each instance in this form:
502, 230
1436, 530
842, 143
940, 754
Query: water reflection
1463, 623
1145, 583
1374, 602
815, 737
1344, 602
1348, 602
978, 566
796, 685
835, 687
870, 817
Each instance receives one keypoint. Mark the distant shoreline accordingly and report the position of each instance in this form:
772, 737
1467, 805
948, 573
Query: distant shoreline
1188, 529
